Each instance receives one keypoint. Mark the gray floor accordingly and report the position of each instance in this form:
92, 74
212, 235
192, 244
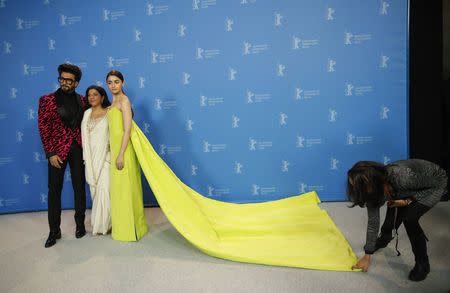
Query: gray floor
163, 261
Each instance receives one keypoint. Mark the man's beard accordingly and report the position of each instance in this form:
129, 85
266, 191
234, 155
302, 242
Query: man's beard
67, 90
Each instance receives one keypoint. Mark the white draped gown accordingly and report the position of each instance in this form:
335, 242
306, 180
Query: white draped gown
97, 160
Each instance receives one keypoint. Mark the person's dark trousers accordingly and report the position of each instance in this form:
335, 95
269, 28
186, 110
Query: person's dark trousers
409, 216
55, 185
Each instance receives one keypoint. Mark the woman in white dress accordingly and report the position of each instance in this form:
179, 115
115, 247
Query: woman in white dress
96, 155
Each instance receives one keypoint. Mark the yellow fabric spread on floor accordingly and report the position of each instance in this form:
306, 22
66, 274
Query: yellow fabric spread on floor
292, 232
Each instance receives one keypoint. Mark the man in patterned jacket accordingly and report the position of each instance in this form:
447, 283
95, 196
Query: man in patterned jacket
60, 114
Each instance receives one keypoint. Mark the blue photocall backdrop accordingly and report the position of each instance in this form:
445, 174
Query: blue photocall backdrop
246, 100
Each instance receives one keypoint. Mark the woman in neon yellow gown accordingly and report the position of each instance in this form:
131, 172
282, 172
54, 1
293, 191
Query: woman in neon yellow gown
127, 209
292, 232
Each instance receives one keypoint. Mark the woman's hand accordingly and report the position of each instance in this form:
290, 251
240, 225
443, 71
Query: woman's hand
399, 203
363, 263
119, 162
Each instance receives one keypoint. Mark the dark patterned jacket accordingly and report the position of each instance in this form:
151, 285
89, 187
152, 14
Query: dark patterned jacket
419, 180
57, 137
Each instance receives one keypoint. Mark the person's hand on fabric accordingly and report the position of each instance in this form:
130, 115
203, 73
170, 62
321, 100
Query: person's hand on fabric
55, 160
363, 263
399, 203
119, 162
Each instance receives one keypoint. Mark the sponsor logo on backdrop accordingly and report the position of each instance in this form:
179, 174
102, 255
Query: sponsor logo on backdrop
146, 126
46, 2
235, 121
213, 148
31, 114
65, 20
156, 10
93, 40
228, 24
186, 78
334, 164
182, 30
285, 166
254, 144
116, 62
165, 105
212, 191
2, 3
386, 160
210, 102
7, 47
351, 138
26, 179
161, 58
3, 115
232, 74
13, 93
243, 2
202, 4
19, 136
384, 7
238, 167
169, 150
384, 61
22, 24
330, 13
331, 64
280, 69
278, 18
137, 35
298, 43
384, 112
351, 89
44, 197
8, 202
303, 142
206, 53
6, 160
257, 98
99, 83
189, 124
39, 157
301, 94
141, 81
67, 176
112, 15
32, 70
351, 39
332, 114
283, 118
194, 170
262, 190
250, 49
304, 187
51, 44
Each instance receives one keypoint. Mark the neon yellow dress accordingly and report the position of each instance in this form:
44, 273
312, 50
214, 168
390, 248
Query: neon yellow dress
127, 208
291, 232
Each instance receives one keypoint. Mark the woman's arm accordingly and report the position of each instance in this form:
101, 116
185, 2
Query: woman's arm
373, 225
127, 122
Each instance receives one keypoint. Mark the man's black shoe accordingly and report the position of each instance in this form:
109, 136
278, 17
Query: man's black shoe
420, 271
51, 240
80, 232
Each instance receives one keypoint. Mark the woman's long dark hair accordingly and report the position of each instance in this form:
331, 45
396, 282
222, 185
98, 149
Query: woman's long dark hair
118, 74
365, 184
105, 103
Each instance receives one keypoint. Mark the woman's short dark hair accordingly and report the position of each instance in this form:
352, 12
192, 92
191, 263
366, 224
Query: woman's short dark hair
105, 103
365, 184
115, 73
70, 68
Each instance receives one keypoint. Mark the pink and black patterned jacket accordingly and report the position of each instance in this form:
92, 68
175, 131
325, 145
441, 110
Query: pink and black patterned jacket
56, 136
